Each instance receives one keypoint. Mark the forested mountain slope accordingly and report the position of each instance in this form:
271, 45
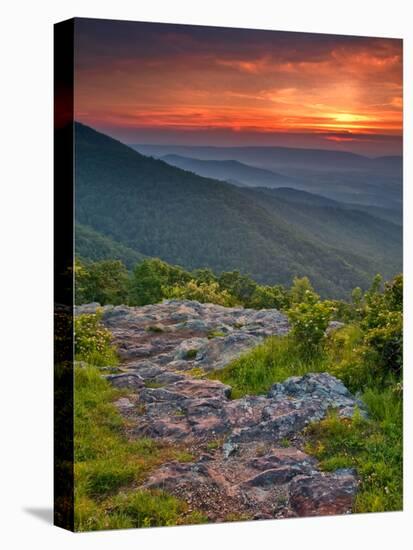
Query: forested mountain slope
155, 209
94, 246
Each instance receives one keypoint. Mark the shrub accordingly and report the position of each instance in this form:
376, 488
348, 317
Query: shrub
349, 358
387, 342
302, 291
266, 297
201, 292
149, 279
383, 326
93, 341
105, 282
309, 321
238, 285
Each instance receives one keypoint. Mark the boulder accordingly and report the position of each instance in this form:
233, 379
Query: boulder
323, 494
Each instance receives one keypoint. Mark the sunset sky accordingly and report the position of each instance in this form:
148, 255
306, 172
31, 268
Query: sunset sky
174, 84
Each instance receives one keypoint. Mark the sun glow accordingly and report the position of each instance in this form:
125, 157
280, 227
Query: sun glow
350, 117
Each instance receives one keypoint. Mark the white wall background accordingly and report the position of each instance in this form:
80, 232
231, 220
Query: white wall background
26, 271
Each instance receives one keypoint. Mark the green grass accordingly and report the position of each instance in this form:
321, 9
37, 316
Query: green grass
215, 334
374, 447
276, 359
196, 372
109, 467
153, 384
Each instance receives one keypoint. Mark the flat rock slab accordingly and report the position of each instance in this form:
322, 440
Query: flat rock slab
205, 336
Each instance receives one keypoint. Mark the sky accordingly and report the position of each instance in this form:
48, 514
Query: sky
192, 85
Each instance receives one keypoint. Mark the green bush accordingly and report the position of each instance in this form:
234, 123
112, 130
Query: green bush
150, 277
349, 359
383, 325
387, 343
302, 291
266, 297
105, 282
238, 285
93, 341
309, 321
201, 292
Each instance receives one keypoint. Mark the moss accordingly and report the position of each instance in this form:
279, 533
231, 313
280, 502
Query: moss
191, 354
154, 328
153, 384
196, 372
215, 334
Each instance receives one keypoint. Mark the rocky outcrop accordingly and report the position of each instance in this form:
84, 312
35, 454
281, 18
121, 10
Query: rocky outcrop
183, 334
241, 463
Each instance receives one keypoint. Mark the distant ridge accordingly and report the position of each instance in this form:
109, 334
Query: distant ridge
229, 170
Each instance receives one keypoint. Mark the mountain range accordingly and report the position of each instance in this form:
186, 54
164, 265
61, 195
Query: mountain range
231, 171
346, 177
129, 205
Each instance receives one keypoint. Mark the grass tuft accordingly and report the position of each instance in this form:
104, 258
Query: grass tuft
276, 359
372, 446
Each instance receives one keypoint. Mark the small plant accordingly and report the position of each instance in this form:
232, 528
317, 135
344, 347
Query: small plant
184, 456
309, 321
196, 372
153, 384
237, 516
215, 334
93, 341
154, 328
214, 444
191, 354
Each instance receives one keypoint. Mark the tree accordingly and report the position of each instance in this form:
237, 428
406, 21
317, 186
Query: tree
105, 282
240, 286
302, 291
266, 297
201, 292
150, 277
